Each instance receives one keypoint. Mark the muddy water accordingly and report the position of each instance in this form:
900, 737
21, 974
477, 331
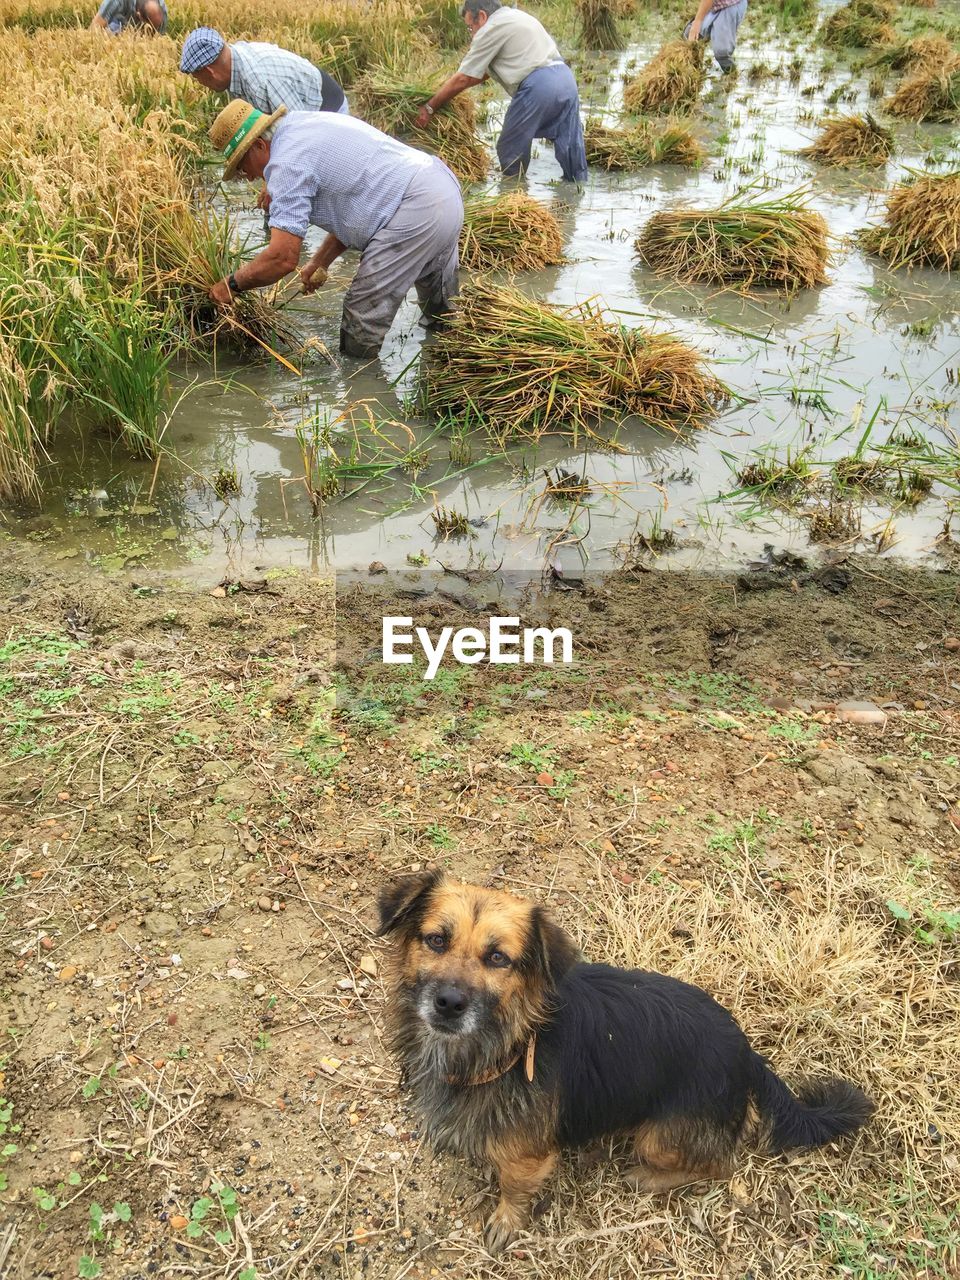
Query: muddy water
873, 346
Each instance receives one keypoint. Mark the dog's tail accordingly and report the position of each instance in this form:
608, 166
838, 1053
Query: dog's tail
819, 1111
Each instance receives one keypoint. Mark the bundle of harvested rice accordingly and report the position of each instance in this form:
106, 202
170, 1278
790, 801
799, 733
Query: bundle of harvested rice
778, 243
922, 224
389, 99
521, 367
932, 93
672, 78
513, 231
848, 140
910, 55
861, 24
649, 142
598, 24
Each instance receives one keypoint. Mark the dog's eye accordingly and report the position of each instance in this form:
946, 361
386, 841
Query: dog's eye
435, 941
499, 960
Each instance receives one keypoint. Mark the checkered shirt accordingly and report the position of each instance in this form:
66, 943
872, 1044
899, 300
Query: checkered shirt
118, 14
270, 77
335, 172
718, 5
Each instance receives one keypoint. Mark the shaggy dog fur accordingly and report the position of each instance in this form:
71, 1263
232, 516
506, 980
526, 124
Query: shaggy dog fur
513, 1048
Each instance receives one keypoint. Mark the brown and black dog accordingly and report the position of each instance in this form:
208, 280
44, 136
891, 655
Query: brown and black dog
513, 1047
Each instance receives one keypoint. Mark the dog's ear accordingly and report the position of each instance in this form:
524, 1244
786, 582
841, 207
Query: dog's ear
550, 951
400, 902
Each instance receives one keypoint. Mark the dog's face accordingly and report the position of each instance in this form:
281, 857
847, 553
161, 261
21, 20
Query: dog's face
472, 962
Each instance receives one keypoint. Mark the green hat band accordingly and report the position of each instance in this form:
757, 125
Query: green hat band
241, 133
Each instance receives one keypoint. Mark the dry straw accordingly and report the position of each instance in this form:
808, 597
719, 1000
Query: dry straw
389, 98
778, 243
922, 224
861, 24
851, 140
932, 93
599, 28
519, 367
649, 142
672, 78
511, 231
909, 55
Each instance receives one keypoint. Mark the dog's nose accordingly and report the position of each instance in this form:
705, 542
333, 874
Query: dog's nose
450, 1001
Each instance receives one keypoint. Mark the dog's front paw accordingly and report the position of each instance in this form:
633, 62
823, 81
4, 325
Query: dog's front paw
502, 1225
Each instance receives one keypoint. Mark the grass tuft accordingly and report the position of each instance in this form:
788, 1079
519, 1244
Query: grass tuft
647, 143
850, 140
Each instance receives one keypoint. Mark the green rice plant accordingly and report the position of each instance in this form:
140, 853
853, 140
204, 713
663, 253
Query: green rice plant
520, 368
780, 244
650, 142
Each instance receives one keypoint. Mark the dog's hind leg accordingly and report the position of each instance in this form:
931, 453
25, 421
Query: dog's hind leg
522, 1172
677, 1153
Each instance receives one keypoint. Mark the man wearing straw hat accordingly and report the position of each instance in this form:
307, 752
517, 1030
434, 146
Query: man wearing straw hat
114, 15
514, 48
401, 208
262, 74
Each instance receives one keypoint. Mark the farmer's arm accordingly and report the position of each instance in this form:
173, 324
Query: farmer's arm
697, 23
449, 89
98, 23
329, 251
271, 264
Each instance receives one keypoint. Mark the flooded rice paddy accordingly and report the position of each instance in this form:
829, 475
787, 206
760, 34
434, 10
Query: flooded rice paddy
874, 354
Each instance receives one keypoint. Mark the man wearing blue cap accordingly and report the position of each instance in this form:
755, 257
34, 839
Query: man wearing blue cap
264, 75
114, 15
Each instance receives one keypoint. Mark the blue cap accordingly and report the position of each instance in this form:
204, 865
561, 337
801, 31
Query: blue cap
200, 48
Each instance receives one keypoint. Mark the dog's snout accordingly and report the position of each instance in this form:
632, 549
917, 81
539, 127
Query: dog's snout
450, 1001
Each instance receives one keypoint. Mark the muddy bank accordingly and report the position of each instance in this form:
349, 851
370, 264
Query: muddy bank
202, 791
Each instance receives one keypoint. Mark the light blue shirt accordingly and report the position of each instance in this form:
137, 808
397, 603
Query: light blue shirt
335, 172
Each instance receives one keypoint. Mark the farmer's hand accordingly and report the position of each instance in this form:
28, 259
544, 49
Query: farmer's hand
263, 198
423, 117
313, 277
694, 32
221, 295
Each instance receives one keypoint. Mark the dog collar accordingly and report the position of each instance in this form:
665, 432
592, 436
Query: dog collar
487, 1077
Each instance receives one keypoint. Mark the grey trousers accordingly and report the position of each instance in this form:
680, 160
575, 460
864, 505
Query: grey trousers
721, 30
419, 247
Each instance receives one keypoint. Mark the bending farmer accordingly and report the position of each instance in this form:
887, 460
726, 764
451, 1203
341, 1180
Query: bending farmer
264, 75
401, 208
522, 57
718, 21
114, 15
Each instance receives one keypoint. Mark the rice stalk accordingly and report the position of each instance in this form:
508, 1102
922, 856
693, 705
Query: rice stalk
780, 244
850, 140
932, 93
389, 99
909, 55
861, 24
649, 142
511, 231
921, 227
519, 367
671, 79
598, 24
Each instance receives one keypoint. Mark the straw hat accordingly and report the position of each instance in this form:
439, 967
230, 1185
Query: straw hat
237, 128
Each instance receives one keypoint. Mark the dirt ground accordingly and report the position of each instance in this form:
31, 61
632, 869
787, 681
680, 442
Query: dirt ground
201, 794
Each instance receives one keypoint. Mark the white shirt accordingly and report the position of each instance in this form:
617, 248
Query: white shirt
509, 45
